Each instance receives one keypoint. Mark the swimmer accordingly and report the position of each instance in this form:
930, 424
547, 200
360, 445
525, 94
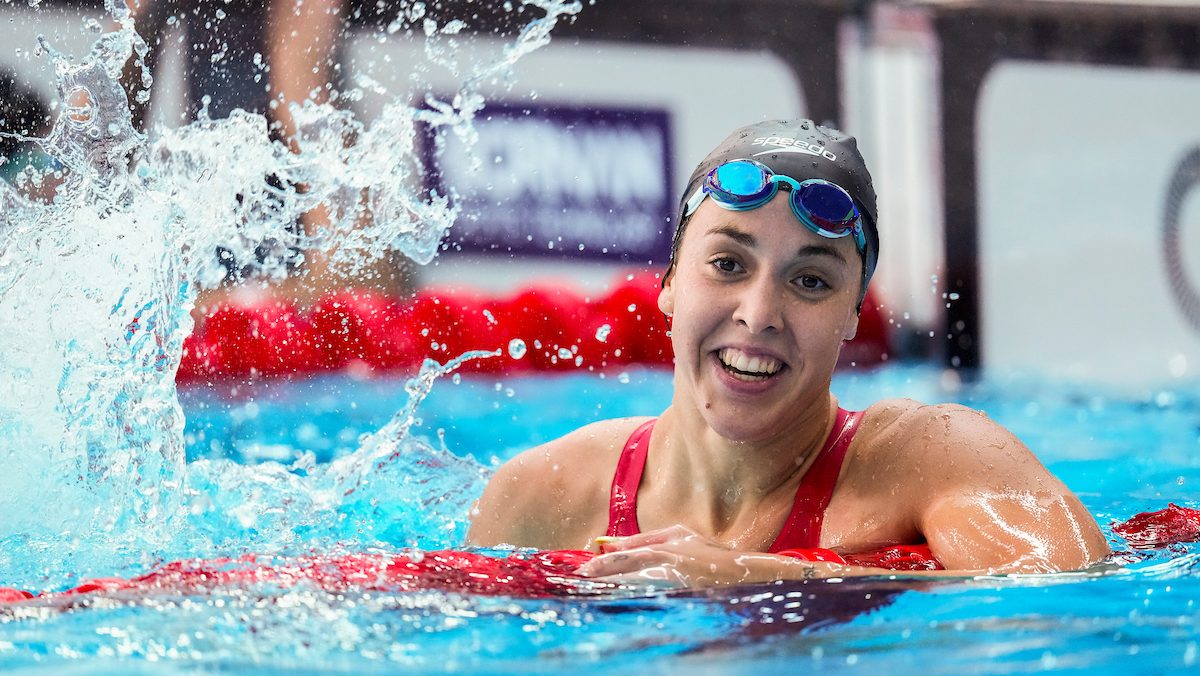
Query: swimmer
754, 473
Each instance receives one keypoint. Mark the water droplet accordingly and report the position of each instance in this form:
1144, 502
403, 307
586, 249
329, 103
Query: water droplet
516, 348
632, 307
602, 333
490, 317
564, 353
623, 378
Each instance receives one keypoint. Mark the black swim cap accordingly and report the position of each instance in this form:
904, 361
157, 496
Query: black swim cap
801, 149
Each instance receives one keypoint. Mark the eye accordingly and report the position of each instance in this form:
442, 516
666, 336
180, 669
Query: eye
726, 265
811, 282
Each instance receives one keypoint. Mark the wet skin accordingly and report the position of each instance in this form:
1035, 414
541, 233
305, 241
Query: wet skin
759, 307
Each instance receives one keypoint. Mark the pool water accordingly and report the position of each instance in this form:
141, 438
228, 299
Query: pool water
1122, 453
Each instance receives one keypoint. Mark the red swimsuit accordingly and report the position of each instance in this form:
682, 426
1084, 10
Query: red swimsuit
802, 530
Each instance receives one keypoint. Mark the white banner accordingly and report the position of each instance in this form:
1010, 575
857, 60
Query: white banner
1089, 188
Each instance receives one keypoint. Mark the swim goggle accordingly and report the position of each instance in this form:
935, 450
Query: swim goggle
823, 207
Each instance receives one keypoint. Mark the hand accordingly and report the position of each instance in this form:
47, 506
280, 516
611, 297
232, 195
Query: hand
680, 557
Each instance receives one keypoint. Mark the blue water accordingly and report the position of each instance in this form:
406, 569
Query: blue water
1120, 452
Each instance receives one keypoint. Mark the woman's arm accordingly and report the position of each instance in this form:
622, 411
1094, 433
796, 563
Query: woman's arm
554, 496
497, 517
991, 504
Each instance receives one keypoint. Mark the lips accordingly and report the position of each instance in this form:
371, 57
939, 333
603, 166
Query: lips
748, 367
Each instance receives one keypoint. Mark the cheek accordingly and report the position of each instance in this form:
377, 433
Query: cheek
693, 315
826, 329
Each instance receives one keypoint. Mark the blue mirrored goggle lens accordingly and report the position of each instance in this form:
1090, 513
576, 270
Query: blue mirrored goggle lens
828, 205
740, 179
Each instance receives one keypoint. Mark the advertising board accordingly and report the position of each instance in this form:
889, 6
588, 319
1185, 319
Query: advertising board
1089, 206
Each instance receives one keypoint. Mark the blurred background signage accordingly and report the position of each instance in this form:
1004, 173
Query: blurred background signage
563, 181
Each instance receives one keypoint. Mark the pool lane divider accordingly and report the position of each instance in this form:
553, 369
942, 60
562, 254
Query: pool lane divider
541, 574
521, 574
1151, 530
543, 328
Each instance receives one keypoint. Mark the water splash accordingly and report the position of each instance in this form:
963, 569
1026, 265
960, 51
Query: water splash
97, 286
394, 491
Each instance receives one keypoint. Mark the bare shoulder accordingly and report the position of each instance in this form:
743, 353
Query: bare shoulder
553, 496
902, 415
949, 443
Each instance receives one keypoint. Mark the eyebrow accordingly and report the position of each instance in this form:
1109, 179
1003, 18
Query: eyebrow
820, 250
748, 240
743, 238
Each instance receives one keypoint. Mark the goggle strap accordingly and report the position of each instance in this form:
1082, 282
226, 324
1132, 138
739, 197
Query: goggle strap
694, 201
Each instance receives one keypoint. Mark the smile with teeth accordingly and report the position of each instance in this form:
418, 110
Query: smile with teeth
745, 367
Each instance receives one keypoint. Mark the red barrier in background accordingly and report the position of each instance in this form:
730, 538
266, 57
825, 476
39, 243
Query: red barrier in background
561, 331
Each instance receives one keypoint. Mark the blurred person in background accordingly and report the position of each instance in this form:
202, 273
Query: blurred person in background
260, 58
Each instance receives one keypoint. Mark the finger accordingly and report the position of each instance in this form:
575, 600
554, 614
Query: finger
602, 544
647, 539
655, 576
618, 563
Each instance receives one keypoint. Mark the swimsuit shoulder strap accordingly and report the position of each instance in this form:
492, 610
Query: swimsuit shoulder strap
803, 526
622, 505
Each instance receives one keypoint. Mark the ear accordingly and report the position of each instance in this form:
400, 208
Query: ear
850, 327
666, 297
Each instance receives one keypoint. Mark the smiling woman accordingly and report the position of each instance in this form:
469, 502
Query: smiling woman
754, 472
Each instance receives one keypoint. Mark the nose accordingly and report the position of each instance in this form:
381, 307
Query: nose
759, 306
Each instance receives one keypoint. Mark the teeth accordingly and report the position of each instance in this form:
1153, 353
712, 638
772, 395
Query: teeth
761, 366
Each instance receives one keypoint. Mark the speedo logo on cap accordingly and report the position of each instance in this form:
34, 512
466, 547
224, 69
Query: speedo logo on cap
787, 144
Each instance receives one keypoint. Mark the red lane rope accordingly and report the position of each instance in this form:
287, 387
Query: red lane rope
1164, 527
562, 331
547, 573
543, 574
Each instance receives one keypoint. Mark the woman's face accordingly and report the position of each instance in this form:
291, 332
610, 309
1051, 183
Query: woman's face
760, 306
